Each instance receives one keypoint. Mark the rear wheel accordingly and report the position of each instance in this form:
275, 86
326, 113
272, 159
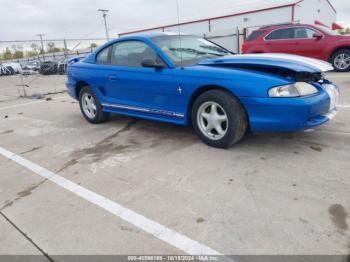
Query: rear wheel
91, 107
219, 119
341, 60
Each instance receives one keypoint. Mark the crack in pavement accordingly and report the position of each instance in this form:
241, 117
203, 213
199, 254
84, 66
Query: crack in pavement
31, 150
26, 237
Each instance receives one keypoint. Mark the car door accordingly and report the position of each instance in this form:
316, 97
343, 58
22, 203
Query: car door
131, 86
281, 41
307, 44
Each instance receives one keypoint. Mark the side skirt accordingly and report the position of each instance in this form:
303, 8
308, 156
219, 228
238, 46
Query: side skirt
147, 113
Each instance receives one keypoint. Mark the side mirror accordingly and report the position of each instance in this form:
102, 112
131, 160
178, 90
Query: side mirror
147, 62
318, 36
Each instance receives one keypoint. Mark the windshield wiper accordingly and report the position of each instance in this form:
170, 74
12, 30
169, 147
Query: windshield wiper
214, 48
192, 50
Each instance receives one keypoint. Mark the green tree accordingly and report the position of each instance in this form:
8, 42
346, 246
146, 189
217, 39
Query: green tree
51, 48
18, 54
31, 53
7, 55
35, 48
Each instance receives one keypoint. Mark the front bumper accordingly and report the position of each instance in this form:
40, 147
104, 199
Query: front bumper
292, 114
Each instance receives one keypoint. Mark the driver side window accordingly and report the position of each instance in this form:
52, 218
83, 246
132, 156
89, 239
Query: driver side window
304, 33
132, 53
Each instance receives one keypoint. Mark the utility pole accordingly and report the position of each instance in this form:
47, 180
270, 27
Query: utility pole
65, 48
42, 44
104, 14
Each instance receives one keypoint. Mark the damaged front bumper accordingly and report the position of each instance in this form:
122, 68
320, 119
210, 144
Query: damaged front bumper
292, 114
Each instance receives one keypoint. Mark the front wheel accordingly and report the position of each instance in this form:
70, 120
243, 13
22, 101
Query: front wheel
90, 107
341, 60
219, 119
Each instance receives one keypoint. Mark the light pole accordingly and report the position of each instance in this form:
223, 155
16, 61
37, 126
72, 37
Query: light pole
104, 14
42, 44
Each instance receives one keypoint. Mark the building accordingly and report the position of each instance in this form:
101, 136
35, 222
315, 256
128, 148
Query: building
239, 18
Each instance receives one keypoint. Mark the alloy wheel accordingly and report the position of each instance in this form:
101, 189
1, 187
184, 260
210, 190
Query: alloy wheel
89, 105
342, 61
212, 120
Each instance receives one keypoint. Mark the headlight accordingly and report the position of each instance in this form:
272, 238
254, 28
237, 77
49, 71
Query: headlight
293, 90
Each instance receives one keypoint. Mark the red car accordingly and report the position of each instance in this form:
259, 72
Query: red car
301, 39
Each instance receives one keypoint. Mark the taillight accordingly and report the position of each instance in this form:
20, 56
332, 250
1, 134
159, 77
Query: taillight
244, 47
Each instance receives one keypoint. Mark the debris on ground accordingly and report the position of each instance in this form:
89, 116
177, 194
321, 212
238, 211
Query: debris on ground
37, 96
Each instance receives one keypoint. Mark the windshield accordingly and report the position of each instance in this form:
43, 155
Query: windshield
191, 49
327, 30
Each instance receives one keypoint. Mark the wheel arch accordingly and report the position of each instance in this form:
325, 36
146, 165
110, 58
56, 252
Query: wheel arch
206, 88
80, 84
346, 47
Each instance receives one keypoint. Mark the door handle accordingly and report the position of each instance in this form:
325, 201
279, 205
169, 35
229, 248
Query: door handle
112, 77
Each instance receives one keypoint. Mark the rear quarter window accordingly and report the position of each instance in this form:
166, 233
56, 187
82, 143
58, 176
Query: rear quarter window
254, 35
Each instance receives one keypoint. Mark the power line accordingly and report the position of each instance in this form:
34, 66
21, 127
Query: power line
51, 40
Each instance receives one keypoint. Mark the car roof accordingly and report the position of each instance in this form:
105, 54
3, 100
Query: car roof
147, 37
289, 25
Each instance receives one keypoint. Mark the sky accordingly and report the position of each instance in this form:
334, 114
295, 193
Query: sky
23, 19
343, 8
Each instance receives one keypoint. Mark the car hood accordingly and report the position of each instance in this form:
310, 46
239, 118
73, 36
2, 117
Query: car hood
342, 37
298, 64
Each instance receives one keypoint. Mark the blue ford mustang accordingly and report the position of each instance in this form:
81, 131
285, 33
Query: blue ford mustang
189, 80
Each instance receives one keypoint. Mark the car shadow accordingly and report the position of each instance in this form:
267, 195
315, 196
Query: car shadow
155, 134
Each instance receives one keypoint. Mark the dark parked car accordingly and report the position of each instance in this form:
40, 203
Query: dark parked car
301, 39
62, 66
48, 68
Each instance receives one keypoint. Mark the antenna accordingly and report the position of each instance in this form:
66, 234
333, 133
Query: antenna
179, 29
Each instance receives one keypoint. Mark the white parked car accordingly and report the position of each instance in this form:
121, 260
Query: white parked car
6, 70
29, 68
16, 66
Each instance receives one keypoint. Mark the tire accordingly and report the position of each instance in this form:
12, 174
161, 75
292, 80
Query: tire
11, 70
94, 115
338, 64
224, 113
